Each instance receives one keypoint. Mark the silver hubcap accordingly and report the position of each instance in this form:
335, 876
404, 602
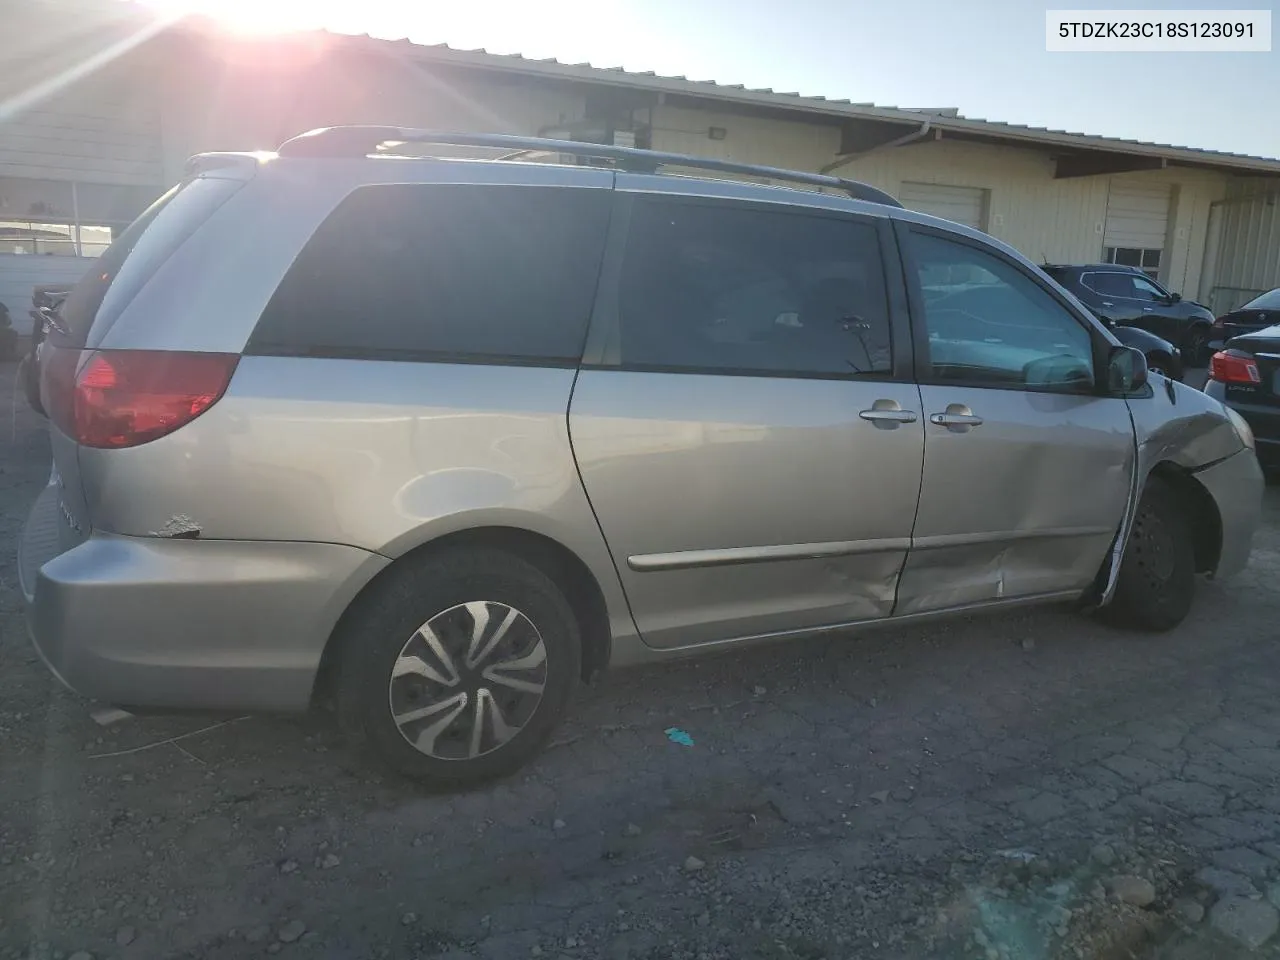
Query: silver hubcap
468, 680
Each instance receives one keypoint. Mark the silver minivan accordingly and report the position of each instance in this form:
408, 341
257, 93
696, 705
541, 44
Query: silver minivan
437, 439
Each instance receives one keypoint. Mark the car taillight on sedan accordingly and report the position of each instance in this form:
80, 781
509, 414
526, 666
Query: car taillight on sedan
124, 398
1234, 366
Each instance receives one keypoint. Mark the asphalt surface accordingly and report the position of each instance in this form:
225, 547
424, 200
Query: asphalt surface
1029, 786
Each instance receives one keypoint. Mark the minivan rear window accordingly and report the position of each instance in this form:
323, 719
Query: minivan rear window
134, 256
450, 272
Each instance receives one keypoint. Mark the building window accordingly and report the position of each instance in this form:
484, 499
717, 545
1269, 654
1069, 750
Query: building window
1146, 259
54, 239
65, 219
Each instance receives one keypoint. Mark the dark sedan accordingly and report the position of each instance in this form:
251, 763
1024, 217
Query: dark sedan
1263, 311
1246, 377
1162, 356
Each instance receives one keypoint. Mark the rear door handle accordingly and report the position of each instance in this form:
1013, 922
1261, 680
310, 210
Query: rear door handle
957, 418
1147, 309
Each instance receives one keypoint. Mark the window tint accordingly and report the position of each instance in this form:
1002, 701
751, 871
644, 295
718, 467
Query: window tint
995, 326
1109, 284
1145, 289
723, 287
1268, 301
418, 271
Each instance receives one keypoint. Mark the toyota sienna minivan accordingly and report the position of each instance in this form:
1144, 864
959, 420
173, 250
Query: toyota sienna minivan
437, 439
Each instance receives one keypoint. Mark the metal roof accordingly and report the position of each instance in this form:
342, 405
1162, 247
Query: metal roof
946, 119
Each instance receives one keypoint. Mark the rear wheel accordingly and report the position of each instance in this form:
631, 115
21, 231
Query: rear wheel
1195, 348
1157, 572
457, 669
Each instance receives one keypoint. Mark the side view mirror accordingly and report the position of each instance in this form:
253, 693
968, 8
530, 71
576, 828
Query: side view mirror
1175, 298
1126, 370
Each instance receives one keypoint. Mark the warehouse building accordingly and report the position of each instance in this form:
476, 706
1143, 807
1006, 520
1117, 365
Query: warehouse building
100, 112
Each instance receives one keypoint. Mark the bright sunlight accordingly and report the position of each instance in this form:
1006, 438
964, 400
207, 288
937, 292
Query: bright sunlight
258, 16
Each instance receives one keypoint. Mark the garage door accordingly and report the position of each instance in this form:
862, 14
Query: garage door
965, 205
1137, 220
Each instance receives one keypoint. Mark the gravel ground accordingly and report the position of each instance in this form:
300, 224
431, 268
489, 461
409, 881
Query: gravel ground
1029, 786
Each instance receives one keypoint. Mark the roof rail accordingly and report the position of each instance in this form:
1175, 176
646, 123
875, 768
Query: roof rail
360, 141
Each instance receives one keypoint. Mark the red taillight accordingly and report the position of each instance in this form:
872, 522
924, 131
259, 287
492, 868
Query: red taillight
1233, 366
123, 398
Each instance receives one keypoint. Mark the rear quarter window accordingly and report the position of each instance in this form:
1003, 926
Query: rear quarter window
444, 272
117, 276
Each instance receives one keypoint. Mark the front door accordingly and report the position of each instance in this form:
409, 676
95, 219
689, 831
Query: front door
749, 441
1027, 465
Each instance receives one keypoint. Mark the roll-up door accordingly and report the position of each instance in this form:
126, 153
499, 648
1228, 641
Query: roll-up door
966, 205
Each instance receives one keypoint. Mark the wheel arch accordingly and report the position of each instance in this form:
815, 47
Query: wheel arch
565, 568
1200, 510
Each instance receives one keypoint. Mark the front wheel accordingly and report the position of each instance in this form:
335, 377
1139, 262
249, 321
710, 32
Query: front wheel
1157, 572
458, 667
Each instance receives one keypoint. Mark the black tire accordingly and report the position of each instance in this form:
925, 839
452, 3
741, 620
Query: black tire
1158, 570
376, 633
1160, 362
1195, 348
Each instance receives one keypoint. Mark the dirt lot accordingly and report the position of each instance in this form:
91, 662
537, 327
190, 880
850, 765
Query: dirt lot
1032, 786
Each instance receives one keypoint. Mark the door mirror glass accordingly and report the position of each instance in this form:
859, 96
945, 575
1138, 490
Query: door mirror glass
1175, 297
1126, 370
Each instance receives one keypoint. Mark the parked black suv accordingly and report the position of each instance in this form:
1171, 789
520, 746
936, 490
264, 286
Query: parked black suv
1126, 296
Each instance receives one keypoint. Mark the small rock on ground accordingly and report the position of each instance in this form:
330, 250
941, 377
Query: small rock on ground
291, 931
1249, 922
693, 864
1103, 854
631, 830
1189, 910
126, 936
1133, 890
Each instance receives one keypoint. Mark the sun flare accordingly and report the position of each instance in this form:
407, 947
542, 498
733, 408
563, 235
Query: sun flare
248, 16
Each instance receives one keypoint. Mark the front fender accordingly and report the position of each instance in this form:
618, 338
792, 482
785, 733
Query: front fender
1173, 424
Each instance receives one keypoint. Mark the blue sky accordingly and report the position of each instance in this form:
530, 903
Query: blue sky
986, 57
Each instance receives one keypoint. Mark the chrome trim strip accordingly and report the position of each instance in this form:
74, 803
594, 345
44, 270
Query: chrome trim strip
684, 559
1004, 536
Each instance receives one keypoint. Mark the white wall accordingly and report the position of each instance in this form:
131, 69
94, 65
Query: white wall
20, 274
1046, 219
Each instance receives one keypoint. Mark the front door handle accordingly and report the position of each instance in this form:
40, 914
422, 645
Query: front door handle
1147, 309
887, 414
956, 417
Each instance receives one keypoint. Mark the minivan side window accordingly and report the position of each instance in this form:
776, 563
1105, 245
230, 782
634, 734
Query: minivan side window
711, 286
989, 324
471, 273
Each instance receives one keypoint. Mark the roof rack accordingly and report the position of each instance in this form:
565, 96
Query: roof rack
360, 141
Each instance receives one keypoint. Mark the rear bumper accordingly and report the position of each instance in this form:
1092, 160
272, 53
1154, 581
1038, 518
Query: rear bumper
190, 624
1236, 485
